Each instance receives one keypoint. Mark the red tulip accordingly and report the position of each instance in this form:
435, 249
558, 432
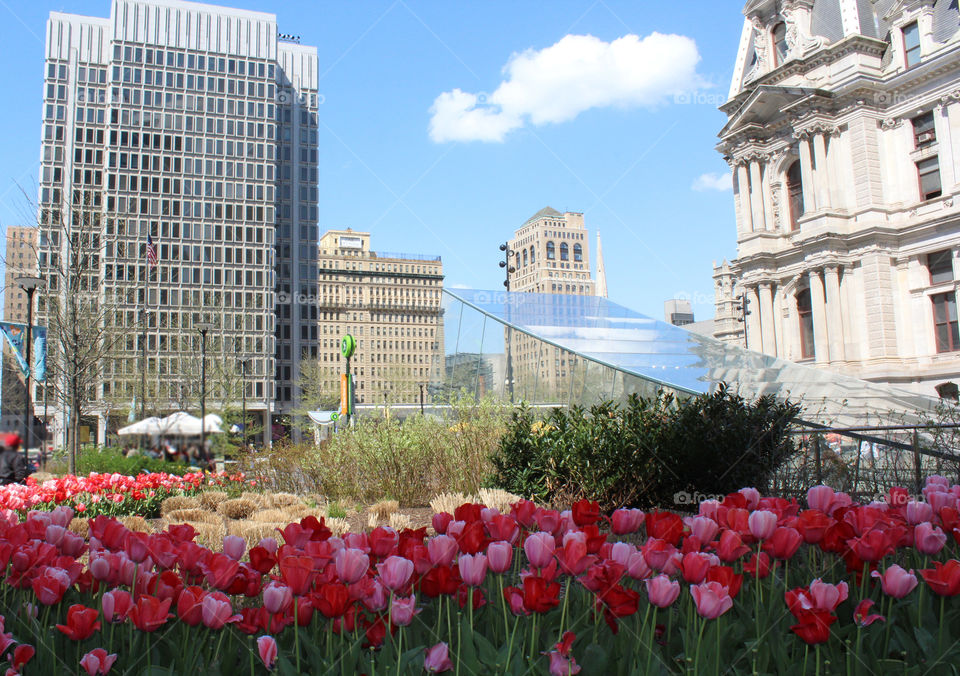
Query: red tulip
267, 647
437, 659
383, 541
813, 626
812, 524
727, 577
297, 572
472, 538
97, 662
439, 581
190, 605
332, 600
943, 578
665, 526
50, 585
712, 599
617, 602
731, 546
115, 605
585, 512
262, 560
896, 581
539, 596
22, 654
862, 614
150, 613
81, 623
783, 544
220, 570
872, 545
694, 567
573, 557
657, 552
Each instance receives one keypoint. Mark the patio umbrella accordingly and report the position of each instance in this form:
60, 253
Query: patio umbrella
149, 425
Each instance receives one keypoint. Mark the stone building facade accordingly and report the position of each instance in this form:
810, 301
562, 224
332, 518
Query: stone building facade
843, 135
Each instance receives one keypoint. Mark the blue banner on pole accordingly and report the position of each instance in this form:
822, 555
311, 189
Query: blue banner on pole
15, 335
39, 335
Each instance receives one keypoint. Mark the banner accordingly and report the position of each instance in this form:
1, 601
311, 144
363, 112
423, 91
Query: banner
15, 336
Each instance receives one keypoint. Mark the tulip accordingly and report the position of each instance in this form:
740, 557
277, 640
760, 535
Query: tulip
943, 578
626, 521
585, 512
731, 546
573, 557
662, 591
351, 564
277, 598
54, 535
784, 543
440, 522
297, 572
81, 623
437, 659
442, 550
499, 556
562, 666
234, 546
694, 567
820, 497
752, 496
115, 605
150, 613
702, 528
473, 569
539, 595
100, 568
539, 548
383, 540
928, 539
217, 611
828, 596
403, 610
97, 662
758, 566
621, 552
814, 626
514, 597
395, 572
712, 599
637, 567
22, 654
862, 616
267, 647
918, 512
762, 524
896, 581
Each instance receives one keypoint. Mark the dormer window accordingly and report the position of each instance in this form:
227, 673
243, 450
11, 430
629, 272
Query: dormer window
911, 44
780, 43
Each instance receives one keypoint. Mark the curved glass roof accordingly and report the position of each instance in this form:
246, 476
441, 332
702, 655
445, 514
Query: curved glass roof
660, 355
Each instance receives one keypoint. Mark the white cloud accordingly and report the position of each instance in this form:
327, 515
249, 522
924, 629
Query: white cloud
557, 83
719, 182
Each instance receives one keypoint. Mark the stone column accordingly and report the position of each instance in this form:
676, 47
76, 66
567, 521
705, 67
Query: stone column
806, 175
767, 331
831, 275
752, 323
756, 196
820, 335
941, 118
767, 197
835, 167
101, 429
822, 174
791, 338
746, 208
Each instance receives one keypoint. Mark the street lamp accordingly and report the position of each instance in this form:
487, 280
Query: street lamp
203, 327
508, 270
244, 365
30, 285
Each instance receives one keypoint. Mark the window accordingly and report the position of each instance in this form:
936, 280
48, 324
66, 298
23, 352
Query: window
928, 172
551, 251
940, 265
532, 258
577, 253
805, 314
780, 43
524, 257
924, 131
564, 251
795, 194
946, 328
911, 44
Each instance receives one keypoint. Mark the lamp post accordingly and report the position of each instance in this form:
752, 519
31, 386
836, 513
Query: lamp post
30, 285
244, 364
421, 398
203, 327
508, 270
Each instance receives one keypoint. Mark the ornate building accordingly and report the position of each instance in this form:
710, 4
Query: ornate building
843, 134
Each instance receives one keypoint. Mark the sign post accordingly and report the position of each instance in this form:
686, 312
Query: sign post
348, 345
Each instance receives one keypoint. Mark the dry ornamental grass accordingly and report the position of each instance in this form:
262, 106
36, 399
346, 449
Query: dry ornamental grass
193, 515
210, 499
239, 508
177, 502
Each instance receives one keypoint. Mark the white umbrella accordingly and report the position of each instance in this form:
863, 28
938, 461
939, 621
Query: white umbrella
149, 425
180, 424
211, 423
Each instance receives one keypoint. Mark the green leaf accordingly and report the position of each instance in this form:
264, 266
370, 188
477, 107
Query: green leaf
595, 659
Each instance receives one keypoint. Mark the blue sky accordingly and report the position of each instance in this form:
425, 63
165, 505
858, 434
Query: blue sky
422, 146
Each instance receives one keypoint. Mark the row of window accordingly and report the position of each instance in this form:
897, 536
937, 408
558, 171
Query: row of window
192, 61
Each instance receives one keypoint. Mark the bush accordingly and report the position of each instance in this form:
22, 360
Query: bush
646, 452
110, 460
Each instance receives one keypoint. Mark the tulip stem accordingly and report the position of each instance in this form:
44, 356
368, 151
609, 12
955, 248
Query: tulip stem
503, 605
817, 658
399, 648
250, 651
516, 621
458, 645
696, 661
940, 629
649, 635
296, 633
717, 654
566, 597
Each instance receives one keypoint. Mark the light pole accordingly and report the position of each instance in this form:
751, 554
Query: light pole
508, 270
30, 285
244, 364
421, 398
203, 327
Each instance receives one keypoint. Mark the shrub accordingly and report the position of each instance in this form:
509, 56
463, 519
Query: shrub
111, 460
647, 451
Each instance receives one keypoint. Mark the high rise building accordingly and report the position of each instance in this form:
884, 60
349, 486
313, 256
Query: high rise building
21, 260
842, 135
389, 302
551, 255
193, 128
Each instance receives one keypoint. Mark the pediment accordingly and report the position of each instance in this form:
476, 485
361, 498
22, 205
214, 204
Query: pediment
766, 103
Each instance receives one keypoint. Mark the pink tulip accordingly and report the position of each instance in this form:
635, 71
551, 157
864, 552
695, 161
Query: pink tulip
270, 544
437, 659
267, 647
928, 539
234, 546
896, 581
940, 499
752, 495
442, 550
702, 528
100, 568
97, 661
918, 512
937, 480
762, 524
499, 556
625, 521
712, 599
376, 598
395, 572
662, 591
561, 665
403, 610
827, 596
440, 522
473, 569
820, 497
54, 534
115, 605
657, 552
351, 564
217, 611
621, 553
709, 509
539, 548
277, 597
637, 567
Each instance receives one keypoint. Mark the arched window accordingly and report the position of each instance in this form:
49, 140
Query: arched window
805, 314
524, 256
564, 251
551, 251
795, 194
780, 43
577, 252
533, 258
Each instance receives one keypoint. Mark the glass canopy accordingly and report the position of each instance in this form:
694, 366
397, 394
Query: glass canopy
568, 349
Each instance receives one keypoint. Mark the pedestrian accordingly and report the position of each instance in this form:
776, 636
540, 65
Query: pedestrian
13, 466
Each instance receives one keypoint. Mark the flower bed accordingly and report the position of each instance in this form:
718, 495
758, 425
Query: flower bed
110, 494
749, 585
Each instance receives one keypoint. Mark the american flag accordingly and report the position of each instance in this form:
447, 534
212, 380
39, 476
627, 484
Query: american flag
151, 252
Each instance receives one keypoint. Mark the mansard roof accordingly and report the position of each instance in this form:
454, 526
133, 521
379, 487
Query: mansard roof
546, 212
